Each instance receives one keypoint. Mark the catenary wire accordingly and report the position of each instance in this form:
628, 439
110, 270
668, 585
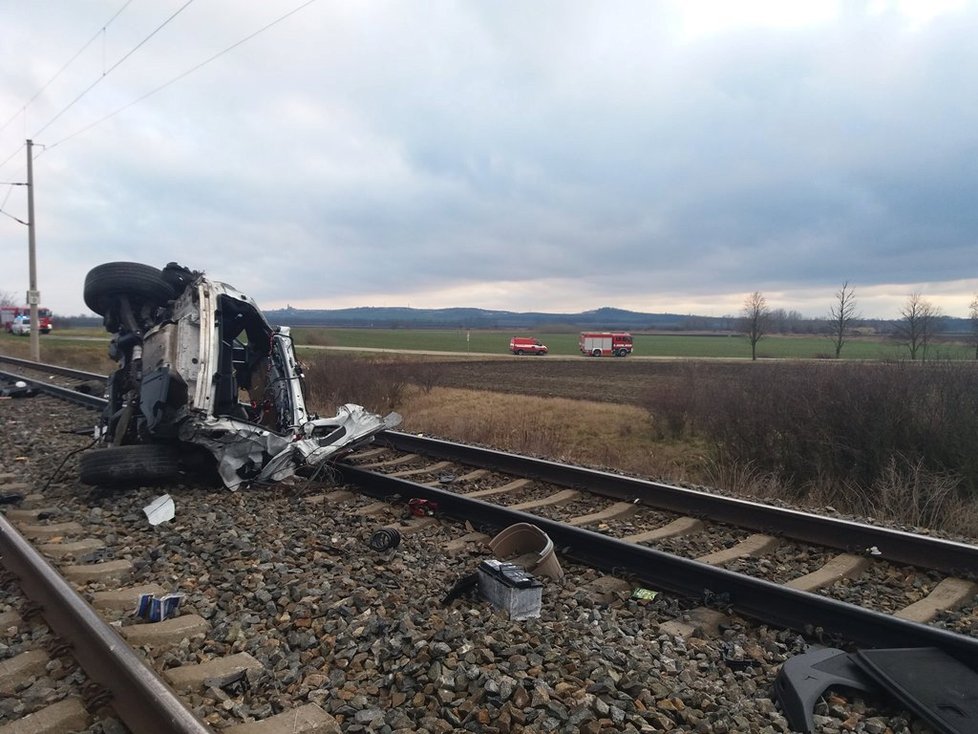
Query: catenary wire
183, 75
113, 67
68, 63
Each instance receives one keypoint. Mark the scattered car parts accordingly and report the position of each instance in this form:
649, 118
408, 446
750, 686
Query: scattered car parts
530, 546
202, 377
928, 681
19, 389
160, 510
384, 539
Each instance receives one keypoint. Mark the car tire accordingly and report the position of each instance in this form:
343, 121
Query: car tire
519, 352
142, 283
596, 353
134, 466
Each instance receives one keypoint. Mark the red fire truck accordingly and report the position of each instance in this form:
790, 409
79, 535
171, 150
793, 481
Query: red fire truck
605, 344
9, 313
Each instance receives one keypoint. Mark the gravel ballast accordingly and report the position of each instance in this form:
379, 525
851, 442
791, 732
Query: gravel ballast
365, 635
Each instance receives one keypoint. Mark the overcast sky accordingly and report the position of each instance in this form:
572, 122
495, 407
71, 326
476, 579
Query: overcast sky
548, 156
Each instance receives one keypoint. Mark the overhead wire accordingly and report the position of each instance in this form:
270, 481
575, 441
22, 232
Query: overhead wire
68, 63
10, 189
187, 73
113, 67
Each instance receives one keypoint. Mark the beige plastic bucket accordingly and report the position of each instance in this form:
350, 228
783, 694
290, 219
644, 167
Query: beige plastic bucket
524, 539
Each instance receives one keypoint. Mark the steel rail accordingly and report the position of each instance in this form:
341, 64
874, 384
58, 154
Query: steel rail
143, 701
64, 393
883, 543
53, 368
764, 600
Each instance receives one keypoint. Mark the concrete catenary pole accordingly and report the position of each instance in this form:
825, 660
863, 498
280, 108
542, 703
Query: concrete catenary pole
33, 297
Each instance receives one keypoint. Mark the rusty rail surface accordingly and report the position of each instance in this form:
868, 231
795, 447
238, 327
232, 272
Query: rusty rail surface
142, 700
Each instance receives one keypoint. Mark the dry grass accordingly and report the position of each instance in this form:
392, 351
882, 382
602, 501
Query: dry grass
91, 357
577, 431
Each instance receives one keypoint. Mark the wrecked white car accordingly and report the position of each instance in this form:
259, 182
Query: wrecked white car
202, 377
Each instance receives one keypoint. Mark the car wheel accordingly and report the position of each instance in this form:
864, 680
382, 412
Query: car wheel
519, 352
134, 466
596, 353
142, 283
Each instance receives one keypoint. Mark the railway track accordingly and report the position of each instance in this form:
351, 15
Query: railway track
783, 567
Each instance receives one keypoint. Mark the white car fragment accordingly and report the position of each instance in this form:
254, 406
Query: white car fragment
201, 370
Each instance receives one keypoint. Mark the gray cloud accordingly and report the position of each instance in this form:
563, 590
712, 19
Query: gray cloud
608, 151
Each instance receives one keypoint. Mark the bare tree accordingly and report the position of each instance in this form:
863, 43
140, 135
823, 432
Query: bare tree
7, 299
918, 321
841, 314
973, 315
754, 323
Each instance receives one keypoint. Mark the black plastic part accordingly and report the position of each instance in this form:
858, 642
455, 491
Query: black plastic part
804, 678
463, 586
161, 394
932, 684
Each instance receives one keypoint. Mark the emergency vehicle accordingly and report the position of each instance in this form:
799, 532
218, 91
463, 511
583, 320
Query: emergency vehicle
9, 313
605, 343
526, 345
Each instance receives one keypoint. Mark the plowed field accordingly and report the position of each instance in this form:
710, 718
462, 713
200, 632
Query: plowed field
607, 380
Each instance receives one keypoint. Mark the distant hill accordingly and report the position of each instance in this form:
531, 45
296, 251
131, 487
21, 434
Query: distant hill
477, 318
601, 319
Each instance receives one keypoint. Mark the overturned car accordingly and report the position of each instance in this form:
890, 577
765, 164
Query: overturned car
204, 380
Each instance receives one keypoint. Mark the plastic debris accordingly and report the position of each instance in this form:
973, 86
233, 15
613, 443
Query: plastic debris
154, 608
643, 594
422, 508
530, 546
160, 510
462, 587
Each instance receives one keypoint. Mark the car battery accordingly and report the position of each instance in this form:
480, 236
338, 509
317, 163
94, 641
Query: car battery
511, 589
